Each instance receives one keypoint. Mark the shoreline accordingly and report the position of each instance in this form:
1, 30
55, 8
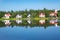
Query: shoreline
48, 18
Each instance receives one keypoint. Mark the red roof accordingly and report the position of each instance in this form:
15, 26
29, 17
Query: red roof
7, 14
41, 14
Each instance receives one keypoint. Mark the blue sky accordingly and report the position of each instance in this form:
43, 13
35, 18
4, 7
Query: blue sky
7, 5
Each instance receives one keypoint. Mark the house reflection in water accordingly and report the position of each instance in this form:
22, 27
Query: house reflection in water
54, 22
42, 22
18, 21
29, 21
7, 22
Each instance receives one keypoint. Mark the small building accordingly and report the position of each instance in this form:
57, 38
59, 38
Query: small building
18, 16
52, 14
55, 14
41, 15
7, 15
29, 16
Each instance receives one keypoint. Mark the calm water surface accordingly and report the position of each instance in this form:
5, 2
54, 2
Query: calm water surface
27, 32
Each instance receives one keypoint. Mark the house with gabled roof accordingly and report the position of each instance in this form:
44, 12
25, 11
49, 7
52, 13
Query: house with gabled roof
41, 15
18, 16
7, 15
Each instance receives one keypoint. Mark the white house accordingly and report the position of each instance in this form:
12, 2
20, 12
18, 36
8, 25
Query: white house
41, 15
42, 21
28, 15
18, 16
7, 15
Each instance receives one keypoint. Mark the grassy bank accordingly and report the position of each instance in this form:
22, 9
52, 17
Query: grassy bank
28, 18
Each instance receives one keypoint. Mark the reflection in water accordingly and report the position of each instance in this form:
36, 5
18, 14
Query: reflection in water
18, 21
7, 22
29, 21
42, 21
54, 22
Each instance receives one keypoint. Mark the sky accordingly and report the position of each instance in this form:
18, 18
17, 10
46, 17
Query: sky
7, 5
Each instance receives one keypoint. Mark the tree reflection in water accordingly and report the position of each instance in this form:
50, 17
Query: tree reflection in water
32, 23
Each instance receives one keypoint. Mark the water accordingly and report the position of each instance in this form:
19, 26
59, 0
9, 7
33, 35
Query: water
33, 30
